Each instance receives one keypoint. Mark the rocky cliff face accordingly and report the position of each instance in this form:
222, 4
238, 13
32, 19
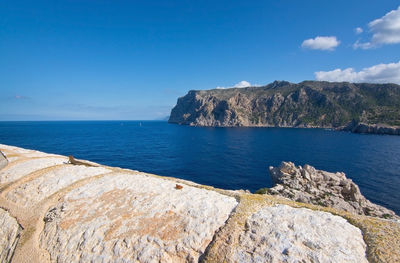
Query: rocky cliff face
284, 104
309, 185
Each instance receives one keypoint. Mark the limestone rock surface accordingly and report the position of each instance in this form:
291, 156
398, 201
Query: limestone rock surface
15, 153
134, 218
33, 191
309, 185
52, 211
9, 235
3, 160
285, 234
22, 168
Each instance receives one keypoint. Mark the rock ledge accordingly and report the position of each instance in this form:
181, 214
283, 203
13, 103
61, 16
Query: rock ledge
54, 211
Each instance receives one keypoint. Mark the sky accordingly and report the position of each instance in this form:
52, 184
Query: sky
131, 60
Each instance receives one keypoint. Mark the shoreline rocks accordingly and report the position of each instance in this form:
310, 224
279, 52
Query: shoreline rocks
360, 127
309, 185
53, 211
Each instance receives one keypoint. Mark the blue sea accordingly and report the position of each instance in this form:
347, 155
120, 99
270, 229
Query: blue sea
229, 158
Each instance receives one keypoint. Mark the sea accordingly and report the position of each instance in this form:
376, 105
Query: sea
228, 158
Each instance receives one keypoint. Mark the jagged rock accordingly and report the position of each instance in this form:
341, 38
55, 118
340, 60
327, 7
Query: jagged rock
3, 160
283, 104
308, 185
9, 235
286, 234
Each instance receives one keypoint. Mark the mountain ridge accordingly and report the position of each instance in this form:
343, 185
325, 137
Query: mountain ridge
308, 104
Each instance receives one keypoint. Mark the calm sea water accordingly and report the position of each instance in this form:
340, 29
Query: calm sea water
230, 158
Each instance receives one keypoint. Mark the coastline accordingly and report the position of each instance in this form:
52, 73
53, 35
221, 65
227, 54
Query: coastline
360, 128
65, 189
308, 104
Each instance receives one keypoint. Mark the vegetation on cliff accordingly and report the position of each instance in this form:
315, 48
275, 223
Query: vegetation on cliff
284, 104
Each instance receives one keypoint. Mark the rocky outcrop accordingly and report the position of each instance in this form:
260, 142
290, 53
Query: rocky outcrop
55, 211
285, 234
138, 217
9, 235
359, 127
3, 160
283, 104
81, 213
308, 185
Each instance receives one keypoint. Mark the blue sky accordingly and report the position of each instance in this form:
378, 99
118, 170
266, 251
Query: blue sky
114, 60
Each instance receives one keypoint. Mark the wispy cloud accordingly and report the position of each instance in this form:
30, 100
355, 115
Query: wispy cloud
358, 30
381, 73
241, 84
321, 43
20, 97
385, 30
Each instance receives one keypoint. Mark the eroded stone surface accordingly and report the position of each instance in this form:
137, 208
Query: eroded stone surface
128, 216
3, 160
134, 217
9, 235
7, 149
285, 234
36, 190
309, 185
24, 168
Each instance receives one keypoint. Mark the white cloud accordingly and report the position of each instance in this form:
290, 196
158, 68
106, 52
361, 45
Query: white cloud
358, 30
381, 73
241, 84
366, 45
321, 43
385, 30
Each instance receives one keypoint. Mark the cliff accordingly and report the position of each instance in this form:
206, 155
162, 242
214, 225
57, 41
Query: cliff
284, 104
52, 210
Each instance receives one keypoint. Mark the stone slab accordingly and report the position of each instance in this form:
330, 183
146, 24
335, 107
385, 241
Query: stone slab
23, 168
129, 217
286, 234
34, 191
9, 235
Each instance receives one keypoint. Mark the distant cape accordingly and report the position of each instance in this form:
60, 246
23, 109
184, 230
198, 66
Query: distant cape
357, 107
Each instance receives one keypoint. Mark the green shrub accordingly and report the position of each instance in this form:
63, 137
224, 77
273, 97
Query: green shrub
262, 191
